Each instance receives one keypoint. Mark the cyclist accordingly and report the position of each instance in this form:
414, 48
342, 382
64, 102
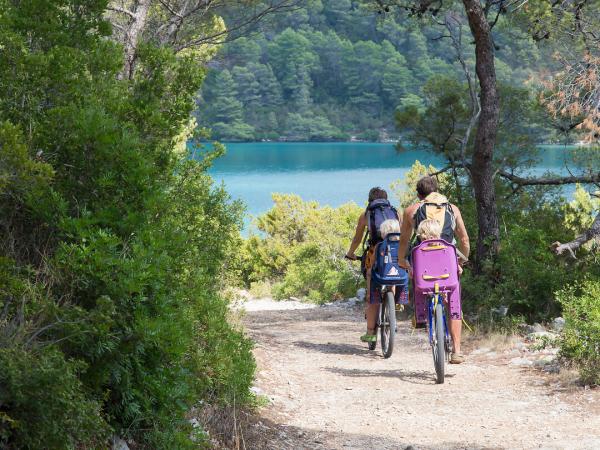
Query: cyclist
433, 205
378, 211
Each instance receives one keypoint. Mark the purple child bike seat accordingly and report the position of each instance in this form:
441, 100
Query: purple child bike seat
434, 261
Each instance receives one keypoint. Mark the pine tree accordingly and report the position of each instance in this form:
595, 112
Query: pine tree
225, 107
396, 81
223, 110
248, 89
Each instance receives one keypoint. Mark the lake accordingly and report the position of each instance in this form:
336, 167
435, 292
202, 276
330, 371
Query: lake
331, 173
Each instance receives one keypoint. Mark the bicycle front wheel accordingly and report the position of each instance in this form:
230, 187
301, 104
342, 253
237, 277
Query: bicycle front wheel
438, 344
388, 324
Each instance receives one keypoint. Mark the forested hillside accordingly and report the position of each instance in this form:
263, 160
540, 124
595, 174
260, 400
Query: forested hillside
334, 69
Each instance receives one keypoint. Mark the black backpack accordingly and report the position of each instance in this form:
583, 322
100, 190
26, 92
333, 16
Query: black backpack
378, 212
439, 212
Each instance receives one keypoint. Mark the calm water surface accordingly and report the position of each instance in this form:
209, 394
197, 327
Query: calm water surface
330, 173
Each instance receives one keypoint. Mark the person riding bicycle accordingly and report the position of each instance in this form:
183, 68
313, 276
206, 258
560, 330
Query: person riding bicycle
433, 205
378, 212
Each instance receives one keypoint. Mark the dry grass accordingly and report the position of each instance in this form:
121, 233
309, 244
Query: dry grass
495, 341
234, 429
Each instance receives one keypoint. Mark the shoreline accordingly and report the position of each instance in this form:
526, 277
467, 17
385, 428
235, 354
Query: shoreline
393, 142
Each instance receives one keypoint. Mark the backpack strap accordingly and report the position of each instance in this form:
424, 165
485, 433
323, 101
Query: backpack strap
421, 214
452, 215
369, 234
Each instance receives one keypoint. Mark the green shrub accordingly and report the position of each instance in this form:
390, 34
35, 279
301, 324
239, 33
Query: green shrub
527, 273
261, 288
114, 248
44, 404
302, 250
580, 341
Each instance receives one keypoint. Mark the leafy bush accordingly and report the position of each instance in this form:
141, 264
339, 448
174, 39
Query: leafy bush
580, 341
261, 288
301, 249
44, 404
114, 248
526, 273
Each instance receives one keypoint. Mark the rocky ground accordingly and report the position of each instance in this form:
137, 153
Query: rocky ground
323, 389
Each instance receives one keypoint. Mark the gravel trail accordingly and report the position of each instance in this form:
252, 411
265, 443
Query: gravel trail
326, 390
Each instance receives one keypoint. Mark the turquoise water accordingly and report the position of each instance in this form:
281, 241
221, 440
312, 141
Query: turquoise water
331, 173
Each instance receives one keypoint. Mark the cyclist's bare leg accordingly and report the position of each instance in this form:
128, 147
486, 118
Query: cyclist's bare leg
455, 333
372, 309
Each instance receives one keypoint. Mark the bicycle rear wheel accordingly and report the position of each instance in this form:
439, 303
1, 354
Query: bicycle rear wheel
388, 324
438, 345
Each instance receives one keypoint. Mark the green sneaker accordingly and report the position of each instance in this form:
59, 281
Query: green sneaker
368, 337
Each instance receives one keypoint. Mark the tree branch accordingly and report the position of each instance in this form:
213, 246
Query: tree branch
570, 247
225, 35
125, 11
549, 180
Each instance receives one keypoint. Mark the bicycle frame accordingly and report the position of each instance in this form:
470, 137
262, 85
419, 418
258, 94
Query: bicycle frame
434, 299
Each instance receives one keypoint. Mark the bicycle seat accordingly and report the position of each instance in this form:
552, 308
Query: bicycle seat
434, 262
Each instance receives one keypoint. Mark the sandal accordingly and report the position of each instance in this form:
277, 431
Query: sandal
368, 337
457, 358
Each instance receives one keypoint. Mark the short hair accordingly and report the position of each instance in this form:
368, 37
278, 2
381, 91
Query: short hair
389, 226
377, 193
426, 186
429, 229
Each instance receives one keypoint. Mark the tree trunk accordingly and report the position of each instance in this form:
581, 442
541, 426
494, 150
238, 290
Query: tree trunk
482, 169
133, 30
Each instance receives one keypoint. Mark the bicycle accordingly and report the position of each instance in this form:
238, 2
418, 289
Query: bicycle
436, 285
385, 275
439, 337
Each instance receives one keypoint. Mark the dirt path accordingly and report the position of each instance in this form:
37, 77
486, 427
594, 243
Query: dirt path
327, 391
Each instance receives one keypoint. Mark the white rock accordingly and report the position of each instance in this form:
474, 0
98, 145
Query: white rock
243, 293
538, 327
521, 362
521, 346
500, 310
558, 324
118, 444
544, 360
256, 390
551, 368
361, 293
480, 351
542, 335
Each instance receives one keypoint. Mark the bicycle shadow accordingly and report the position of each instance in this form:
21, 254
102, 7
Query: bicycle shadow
334, 348
424, 377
